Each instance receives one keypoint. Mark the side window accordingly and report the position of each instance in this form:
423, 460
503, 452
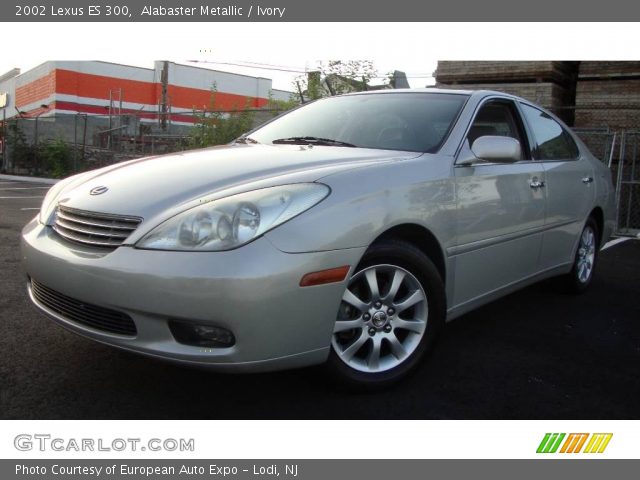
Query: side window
497, 118
554, 143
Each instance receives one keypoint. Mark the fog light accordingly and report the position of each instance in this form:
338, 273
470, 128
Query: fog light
201, 335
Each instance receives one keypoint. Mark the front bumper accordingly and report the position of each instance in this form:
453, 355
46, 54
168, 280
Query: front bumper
253, 291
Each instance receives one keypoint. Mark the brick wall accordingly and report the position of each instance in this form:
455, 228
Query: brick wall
461, 72
587, 94
37, 90
548, 83
608, 95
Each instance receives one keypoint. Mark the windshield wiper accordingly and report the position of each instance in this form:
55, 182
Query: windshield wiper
312, 141
245, 139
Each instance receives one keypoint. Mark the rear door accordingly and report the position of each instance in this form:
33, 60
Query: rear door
568, 183
500, 210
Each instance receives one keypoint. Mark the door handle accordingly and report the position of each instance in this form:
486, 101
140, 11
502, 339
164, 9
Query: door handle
587, 179
536, 184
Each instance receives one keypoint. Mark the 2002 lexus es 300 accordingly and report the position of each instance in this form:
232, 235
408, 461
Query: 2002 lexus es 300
346, 231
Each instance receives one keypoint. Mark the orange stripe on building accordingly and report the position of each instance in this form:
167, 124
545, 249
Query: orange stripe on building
86, 85
195, 98
98, 86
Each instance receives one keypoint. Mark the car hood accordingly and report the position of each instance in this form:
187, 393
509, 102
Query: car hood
157, 187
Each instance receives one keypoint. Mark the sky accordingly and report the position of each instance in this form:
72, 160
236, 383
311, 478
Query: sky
281, 47
413, 48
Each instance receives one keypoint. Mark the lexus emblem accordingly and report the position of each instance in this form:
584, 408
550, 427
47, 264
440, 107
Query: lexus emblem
98, 190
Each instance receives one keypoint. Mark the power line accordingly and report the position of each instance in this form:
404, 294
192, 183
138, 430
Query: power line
283, 68
290, 70
271, 65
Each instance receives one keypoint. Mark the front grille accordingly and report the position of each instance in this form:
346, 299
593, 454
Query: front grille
92, 316
94, 229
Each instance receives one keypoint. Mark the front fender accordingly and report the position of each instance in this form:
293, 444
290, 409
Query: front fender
366, 202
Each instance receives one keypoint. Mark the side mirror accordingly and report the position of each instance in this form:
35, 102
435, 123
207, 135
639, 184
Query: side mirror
494, 149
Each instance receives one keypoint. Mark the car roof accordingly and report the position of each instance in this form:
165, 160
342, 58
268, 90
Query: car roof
472, 93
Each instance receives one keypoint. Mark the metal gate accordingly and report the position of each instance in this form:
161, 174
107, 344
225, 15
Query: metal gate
619, 151
628, 185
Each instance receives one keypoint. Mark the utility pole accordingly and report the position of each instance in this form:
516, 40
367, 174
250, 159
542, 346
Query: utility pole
3, 132
5, 165
164, 100
84, 137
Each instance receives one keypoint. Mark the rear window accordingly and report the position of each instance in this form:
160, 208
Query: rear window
553, 141
417, 122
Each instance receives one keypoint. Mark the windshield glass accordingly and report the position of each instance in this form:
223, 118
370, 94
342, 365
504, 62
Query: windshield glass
416, 122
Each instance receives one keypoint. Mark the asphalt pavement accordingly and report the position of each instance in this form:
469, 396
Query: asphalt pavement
534, 354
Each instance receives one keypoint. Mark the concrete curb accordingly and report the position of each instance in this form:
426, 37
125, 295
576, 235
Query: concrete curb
46, 181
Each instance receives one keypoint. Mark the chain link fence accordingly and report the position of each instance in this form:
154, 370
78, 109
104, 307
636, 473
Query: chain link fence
619, 150
628, 184
64, 144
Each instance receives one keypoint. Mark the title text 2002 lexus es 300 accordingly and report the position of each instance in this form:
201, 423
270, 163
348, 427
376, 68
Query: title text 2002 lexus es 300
346, 231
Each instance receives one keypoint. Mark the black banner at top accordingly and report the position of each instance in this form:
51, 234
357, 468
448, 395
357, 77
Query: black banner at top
319, 11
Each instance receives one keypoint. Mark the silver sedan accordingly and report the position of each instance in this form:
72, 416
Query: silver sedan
345, 232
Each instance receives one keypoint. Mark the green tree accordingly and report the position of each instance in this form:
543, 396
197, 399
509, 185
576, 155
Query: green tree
57, 158
276, 107
19, 150
217, 127
336, 77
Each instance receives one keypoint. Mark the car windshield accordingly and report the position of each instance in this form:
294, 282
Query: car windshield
416, 122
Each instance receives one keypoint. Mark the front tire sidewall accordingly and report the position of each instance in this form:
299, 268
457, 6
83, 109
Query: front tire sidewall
417, 263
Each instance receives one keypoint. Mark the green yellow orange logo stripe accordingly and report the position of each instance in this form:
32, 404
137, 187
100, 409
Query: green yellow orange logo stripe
550, 443
574, 442
598, 442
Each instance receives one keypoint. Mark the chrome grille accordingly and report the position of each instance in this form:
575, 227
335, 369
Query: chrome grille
94, 229
74, 310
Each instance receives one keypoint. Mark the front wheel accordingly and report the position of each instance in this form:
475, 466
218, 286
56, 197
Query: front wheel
390, 314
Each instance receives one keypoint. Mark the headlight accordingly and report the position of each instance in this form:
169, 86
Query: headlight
230, 222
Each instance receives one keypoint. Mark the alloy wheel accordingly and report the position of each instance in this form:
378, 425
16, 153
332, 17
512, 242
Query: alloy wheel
382, 319
586, 255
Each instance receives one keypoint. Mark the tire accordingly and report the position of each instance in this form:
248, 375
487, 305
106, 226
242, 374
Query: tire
584, 263
392, 311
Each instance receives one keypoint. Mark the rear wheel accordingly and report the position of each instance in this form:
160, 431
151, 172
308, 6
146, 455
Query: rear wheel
390, 314
584, 263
